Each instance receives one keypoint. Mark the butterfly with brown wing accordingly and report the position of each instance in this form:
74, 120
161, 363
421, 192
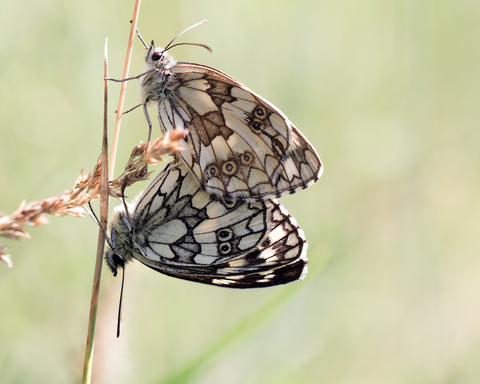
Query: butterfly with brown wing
239, 145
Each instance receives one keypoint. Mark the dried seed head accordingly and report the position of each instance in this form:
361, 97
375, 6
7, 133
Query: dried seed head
87, 188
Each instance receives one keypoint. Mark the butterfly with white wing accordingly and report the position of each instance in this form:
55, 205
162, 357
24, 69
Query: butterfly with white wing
239, 145
178, 229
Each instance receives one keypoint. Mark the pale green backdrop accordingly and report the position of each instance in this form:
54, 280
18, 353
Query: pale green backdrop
389, 94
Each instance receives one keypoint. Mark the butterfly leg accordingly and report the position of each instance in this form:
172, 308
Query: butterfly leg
131, 78
147, 116
131, 109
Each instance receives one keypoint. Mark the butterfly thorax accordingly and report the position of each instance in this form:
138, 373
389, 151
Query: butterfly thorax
159, 82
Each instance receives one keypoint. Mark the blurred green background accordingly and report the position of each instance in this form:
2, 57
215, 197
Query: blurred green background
389, 94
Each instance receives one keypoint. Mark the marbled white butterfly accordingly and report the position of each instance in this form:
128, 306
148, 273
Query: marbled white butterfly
240, 146
178, 229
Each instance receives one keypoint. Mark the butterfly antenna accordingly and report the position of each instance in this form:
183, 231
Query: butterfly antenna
181, 33
198, 45
141, 38
95, 218
120, 304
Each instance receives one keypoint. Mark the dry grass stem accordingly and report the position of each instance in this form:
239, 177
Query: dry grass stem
86, 189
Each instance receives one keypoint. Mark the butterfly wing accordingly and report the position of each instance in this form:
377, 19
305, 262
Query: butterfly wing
240, 146
181, 230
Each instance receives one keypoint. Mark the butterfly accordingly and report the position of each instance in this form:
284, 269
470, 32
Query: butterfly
239, 145
178, 229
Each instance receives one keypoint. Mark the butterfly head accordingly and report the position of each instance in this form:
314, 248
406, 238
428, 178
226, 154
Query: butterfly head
157, 57
114, 261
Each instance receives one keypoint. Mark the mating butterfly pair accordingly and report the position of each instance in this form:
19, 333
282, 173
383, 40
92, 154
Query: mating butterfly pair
209, 216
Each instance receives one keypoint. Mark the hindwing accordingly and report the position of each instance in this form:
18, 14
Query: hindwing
178, 229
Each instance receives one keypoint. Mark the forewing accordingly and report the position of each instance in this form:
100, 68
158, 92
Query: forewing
240, 146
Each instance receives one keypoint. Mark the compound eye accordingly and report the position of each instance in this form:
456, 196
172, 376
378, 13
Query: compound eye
156, 56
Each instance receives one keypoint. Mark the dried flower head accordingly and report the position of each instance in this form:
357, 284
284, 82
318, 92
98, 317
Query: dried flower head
87, 188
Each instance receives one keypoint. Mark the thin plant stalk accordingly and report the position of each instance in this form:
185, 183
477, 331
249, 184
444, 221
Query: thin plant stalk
123, 88
87, 368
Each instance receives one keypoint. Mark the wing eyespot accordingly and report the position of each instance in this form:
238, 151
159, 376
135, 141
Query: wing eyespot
260, 112
224, 234
212, 171
246, 158
229, 168
225, 248
256, 125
